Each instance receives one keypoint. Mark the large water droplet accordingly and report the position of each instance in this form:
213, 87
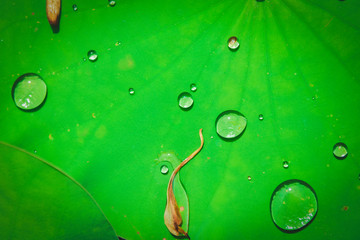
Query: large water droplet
29, 91
185, 100
233, 43
193, 87
112, 3
340, 151
75, 8
164, 169
230, 124
285, 164
131, 91
92, 55
293, 205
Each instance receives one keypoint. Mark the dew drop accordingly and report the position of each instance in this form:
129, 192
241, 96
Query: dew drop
261, 117
193, 87
112, 3
164, 169
285, 164
131, 91
185, 100
293, 205
340, 151
230, 124
92, 55
29, 91
75, 8
233, 43
117, 43
249, 178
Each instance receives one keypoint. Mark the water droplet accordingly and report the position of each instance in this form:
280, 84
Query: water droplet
230, 124
117, 43
249, 178
285, 164
132, 91
340, 151
185, 100
233, 43
92, 55
193, 87
164, 169
75, 8
35, 151
29, 91
293, 205
261, 117
112, 3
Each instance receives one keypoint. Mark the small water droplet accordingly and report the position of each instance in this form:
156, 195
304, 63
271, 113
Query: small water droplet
75, 8
261, 117
117, 43
164, 169
293, 205
230, 124
340, 151
29, 91
193, 87
233, 43
132, 91
249, 178
92, 55
35, 151
285, 164
185, 100
112, 3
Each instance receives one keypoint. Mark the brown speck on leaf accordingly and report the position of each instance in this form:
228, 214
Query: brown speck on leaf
172, 217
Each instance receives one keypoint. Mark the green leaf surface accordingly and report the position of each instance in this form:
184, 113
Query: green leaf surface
38, 201
297, 64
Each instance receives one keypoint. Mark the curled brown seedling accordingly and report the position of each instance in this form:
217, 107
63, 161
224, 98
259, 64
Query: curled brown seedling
172, 215
53, 8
